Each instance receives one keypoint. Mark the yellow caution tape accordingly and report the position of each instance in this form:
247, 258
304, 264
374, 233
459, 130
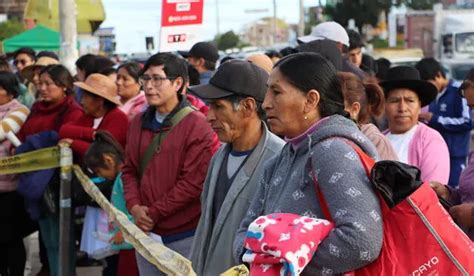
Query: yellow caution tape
240, 270
165, 259
42, 159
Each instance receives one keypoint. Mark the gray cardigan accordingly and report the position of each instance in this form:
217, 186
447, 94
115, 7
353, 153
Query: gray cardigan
211, 253
287, 187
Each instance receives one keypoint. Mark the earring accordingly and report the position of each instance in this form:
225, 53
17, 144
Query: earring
306, 117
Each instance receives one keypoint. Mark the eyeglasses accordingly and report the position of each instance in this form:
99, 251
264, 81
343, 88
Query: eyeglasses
155, 80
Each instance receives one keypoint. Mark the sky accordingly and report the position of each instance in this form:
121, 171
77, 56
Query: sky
133, 20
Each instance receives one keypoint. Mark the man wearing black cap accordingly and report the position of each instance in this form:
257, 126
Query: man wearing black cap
235, 93
325, 47
203, 57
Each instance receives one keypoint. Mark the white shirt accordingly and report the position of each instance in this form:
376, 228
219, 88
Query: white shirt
401, 143
97, 122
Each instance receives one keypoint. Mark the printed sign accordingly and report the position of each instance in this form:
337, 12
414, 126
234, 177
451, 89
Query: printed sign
181, 12
181, 22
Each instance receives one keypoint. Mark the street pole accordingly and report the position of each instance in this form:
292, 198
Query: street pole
65, 213
301, 22
274, 22
68, 28
217, 17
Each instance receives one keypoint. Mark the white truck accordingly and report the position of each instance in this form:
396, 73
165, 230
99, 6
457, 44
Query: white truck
453, 30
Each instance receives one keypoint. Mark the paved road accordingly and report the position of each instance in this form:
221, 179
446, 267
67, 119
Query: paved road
33, 265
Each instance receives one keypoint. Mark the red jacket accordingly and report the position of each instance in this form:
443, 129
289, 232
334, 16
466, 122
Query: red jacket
82, 133
197, 103
172, 182
43, 117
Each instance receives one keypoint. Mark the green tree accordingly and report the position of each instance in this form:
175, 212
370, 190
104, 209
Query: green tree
420, 4
311, 21
367, 11
227, 40
10, 28
362, 11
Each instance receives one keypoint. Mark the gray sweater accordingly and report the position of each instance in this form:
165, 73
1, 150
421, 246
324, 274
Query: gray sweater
287, 187
211, 253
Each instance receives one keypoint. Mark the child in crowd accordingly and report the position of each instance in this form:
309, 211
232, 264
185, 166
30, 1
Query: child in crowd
105, 158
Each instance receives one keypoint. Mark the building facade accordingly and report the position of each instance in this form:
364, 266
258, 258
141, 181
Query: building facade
264, 33
13, 8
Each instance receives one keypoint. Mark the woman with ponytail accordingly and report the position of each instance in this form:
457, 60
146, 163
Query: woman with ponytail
105, 158
364, 100
304, 103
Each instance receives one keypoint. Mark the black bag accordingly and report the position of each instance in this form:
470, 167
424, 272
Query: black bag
49, 203
81, 198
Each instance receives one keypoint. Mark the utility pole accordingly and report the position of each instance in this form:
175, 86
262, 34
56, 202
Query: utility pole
65, 211
68, 28
301, 22
274, 26
217, 17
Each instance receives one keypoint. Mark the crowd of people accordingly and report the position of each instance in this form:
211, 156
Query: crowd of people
194, 149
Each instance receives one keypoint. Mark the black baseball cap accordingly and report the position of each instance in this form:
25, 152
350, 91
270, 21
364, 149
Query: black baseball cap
205, 50
325, 47
234, 77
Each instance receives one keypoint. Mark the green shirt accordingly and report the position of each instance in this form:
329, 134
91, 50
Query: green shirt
118, 200
25, 96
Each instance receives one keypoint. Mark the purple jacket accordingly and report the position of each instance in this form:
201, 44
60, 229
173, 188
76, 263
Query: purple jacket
465, 192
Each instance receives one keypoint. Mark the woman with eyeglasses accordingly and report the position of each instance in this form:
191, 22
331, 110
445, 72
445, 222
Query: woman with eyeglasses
463, 197
55, 107
131, 96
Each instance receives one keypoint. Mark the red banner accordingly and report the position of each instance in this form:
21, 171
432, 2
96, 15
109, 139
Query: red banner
181, 12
